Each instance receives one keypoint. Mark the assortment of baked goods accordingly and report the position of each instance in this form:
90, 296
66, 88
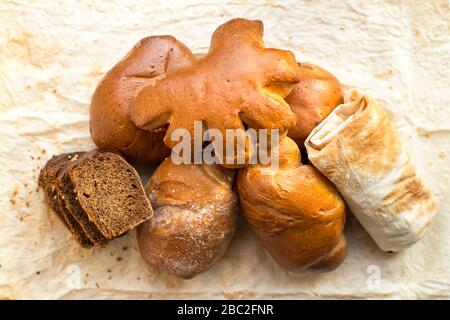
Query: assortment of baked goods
186, 216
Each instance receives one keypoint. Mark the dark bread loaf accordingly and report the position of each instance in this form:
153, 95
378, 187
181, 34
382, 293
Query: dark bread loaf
97, 195
47, 181
108, 191
71, 205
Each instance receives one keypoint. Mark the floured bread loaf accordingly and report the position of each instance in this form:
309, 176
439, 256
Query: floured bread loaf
195, 218
358, 149
98, 194
312, 99
295, 212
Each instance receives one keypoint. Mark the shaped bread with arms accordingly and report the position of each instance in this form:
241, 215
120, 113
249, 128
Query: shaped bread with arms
239, 82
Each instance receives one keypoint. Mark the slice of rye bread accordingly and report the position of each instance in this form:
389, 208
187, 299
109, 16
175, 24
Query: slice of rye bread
109, 191
71, 205
47, 181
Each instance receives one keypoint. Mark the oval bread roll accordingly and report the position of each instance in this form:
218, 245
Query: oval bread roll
312, 99
295, 212
109, 120
194, 217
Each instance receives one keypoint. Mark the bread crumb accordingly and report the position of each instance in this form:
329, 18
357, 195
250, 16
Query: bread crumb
38, 272
125, 248
97, 285
119, 259
109, 270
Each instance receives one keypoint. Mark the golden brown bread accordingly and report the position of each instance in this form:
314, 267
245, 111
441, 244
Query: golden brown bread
194, 217
295, 212
109, 122
238, 82
312, 99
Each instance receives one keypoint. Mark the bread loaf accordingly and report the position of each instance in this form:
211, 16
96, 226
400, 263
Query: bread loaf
195, 217
109, 120
312, 99
238, 83
295, 212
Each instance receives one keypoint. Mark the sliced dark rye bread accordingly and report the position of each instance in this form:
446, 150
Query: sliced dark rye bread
109, 192
70, 204
47, 181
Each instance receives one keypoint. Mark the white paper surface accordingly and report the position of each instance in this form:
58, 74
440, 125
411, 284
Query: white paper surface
52, 54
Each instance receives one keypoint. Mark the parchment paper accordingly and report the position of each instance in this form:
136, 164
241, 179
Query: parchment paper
52, 55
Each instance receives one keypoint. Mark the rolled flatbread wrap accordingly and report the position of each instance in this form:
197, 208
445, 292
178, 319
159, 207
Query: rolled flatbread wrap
358, 149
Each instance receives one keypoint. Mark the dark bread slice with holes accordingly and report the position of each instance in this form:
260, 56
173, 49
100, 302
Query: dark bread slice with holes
71, 205
47, 181
108, 191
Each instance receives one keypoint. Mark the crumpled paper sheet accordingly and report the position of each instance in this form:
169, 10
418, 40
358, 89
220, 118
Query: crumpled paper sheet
52, 55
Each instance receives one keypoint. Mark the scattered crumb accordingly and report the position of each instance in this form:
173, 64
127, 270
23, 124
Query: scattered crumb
119, 259
109, 278
38, 272
138, 278
25, 185
109, 270
27, 204
30, 192
125, 248
15, 191
342, 28
97, 285
43, 151
87, 275
39, 157
13, 202
442, 154
32, 157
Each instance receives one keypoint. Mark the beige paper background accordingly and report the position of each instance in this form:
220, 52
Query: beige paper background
53, 53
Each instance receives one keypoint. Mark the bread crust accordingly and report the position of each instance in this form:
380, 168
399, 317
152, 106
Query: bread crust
312, 99
109, 114
237, 83
194, 218
296, 213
